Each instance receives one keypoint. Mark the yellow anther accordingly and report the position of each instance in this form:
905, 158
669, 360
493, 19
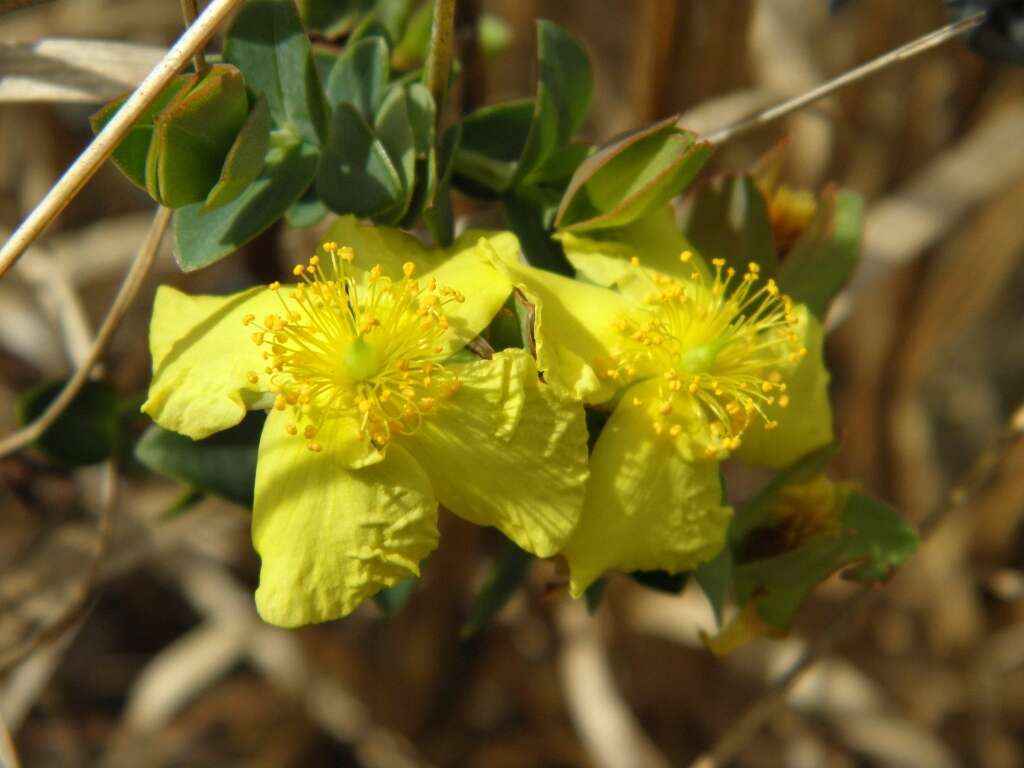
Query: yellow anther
297, 270
314, 261
248, 319
753, 267
252, 377
686, 256
408, 269
291, 429
280, 403
314, 446
719, 263
634, 261
675, 430
345, 253
309, 432
257, 338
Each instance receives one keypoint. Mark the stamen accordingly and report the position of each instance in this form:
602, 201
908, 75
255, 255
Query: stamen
720, 341
369, 350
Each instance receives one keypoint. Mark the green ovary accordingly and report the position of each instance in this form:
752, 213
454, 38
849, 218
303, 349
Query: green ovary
360, 360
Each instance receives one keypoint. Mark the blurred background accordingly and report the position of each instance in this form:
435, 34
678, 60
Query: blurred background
166, 663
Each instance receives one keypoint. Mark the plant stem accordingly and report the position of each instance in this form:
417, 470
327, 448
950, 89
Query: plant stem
190, 10
904, 52
125, 296
439, 57
107, 140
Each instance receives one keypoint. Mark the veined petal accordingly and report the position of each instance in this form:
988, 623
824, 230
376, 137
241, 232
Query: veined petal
806, 423
574, 329
330, 537
202, 357
603, 257
466, 266
505, 451
647, 507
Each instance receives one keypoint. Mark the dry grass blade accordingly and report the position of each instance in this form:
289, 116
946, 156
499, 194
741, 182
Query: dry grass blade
901, 54
70, 70
125, 296
8, 754
608, 728
985, 470
106, 141
11, 657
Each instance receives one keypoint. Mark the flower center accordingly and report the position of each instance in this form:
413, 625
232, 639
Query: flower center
721, 342
369, 349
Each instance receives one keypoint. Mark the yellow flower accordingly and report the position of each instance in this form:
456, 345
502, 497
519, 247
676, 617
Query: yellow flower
371, 421
696, 364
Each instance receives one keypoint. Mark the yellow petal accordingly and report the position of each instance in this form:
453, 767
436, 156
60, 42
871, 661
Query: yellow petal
466, 266
656, 241
647, 507
806, 423
505, 451
573, 329
330, 537
202, 358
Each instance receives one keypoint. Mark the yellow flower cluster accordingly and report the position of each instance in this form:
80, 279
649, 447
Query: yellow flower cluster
376, 416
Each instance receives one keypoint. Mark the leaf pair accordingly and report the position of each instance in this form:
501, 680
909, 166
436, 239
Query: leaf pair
197, 143
379, 160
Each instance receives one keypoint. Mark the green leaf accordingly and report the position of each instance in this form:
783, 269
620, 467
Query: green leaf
503, 579
192, 138
411, 48
729, 220
422, 119
526, 219
267, 42
594, 595
356, 174
493, 139
360, 76
205, 237
715, 579
872, 539
822, 260
392, 600
130, 155
630, 177
661, 581
307, 211
245, 159
333, 18
87, 432
563, 96
223, 464
395, 133
437, 213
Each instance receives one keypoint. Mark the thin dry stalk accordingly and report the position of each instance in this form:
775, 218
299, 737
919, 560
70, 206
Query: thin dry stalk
107, 140
983, 473
8, 754
901, 54
11, 657
125, 296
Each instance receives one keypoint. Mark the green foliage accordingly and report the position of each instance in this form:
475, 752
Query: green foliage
630, 177
872, 542
224, 464
268, 43
393, 599
503, 578
130, 155
203, 237
823, 259
87, 432
245, 159
729, 220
